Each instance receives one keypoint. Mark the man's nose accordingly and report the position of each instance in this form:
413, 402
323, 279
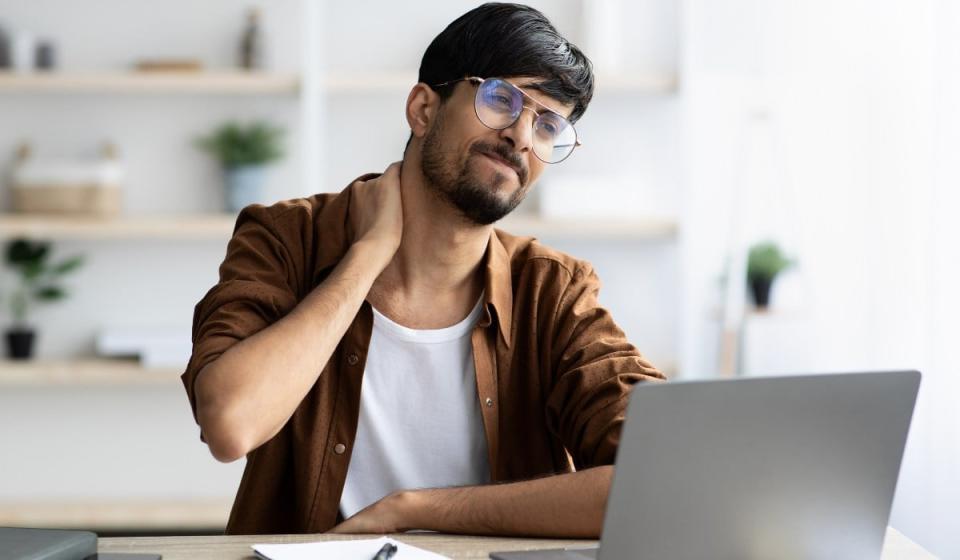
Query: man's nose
520, 133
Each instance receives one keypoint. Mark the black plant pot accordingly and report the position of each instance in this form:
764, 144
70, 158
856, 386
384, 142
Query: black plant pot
20, 343
760, 288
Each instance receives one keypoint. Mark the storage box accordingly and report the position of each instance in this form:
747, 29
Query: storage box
99, 200
90, 186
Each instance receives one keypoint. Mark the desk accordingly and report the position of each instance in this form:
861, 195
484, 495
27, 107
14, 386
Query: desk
896, 547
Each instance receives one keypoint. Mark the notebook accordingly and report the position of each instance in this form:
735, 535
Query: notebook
342, 550
46, 544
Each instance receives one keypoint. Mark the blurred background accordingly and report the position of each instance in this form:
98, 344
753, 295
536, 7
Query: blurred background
765, 187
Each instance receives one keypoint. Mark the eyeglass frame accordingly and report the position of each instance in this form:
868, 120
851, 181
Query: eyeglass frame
479, 81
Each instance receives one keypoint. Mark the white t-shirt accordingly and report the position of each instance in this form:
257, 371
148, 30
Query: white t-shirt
420, 423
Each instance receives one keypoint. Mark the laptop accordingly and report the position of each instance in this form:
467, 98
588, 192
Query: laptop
768, 467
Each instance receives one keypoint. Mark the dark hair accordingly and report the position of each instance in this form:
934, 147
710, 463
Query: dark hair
509, 40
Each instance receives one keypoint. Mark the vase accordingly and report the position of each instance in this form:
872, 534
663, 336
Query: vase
245, 186
760, 288
20, 343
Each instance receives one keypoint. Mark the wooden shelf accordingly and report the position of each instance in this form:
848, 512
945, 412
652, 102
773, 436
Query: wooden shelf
84, 372
593, 228
261, 83
212, 226
117, 515
204, 82
220, 226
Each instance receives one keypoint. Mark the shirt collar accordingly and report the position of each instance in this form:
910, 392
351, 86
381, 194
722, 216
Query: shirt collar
332, 238
499, 285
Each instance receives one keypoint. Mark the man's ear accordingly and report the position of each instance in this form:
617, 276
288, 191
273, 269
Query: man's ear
422, 106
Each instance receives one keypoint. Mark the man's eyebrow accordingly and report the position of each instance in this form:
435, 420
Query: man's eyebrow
538, 86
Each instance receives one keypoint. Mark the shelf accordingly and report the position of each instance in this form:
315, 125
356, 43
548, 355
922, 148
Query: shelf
204, 82
118, 515
84, 372
240, 82
219, 227
593, 228
212, 226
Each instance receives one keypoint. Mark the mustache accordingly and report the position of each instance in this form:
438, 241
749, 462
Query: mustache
508, 155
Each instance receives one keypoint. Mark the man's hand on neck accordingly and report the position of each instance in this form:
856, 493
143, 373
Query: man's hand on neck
436, 275
376, 213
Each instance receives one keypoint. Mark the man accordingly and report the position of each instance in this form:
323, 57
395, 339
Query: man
493, 383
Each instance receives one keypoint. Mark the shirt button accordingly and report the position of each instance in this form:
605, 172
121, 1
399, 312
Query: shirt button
489, 401
352, 359
339, 448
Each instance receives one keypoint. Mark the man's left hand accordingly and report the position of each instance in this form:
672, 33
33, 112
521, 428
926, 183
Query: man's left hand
389, 515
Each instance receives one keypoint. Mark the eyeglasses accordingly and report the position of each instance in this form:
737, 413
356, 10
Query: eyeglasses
499, 105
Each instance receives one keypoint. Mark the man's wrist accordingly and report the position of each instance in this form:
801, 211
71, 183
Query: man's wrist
374, 252
411, 509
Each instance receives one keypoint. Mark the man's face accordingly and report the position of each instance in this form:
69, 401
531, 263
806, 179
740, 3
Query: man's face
484, 173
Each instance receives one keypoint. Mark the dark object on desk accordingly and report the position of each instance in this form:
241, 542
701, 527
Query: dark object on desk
386, 552
46, 544
123, 556
556, 554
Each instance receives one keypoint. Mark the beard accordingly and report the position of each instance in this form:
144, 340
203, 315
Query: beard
477, 201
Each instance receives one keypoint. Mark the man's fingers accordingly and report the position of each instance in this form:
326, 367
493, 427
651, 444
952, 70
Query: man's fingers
394, 169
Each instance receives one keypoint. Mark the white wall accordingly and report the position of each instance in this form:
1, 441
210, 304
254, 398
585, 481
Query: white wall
861, 97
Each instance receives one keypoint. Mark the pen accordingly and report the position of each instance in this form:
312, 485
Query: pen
386, 552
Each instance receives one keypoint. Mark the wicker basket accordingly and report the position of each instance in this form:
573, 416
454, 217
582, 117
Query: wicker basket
98, 200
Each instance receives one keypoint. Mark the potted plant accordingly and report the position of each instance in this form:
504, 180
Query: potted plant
764, 262
244, 152
39, 281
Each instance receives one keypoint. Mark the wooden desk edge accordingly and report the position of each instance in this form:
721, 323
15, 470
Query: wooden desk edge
896, 545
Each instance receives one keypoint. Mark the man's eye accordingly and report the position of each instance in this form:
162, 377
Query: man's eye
548, 128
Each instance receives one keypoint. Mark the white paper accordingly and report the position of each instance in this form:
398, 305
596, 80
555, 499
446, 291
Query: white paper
342, 550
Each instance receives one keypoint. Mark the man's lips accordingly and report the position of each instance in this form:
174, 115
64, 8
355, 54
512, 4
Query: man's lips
502, 161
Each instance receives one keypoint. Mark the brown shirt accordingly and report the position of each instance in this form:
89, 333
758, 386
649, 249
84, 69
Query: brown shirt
553, 369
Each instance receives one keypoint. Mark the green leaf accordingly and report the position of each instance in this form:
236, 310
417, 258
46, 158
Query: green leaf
31, 270
66, 266
49, 293
236, 144
23, 251
765, 261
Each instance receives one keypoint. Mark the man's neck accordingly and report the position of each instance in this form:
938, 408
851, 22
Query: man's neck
440, 259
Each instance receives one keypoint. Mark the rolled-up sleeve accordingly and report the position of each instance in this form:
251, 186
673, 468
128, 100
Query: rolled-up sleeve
595, 368
254, 291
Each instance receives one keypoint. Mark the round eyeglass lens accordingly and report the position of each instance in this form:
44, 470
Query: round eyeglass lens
498, 104
553, 137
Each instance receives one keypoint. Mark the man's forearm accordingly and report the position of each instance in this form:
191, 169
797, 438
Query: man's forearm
560, 506
248, 393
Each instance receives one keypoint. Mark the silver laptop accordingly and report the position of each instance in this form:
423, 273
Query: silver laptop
770, 467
